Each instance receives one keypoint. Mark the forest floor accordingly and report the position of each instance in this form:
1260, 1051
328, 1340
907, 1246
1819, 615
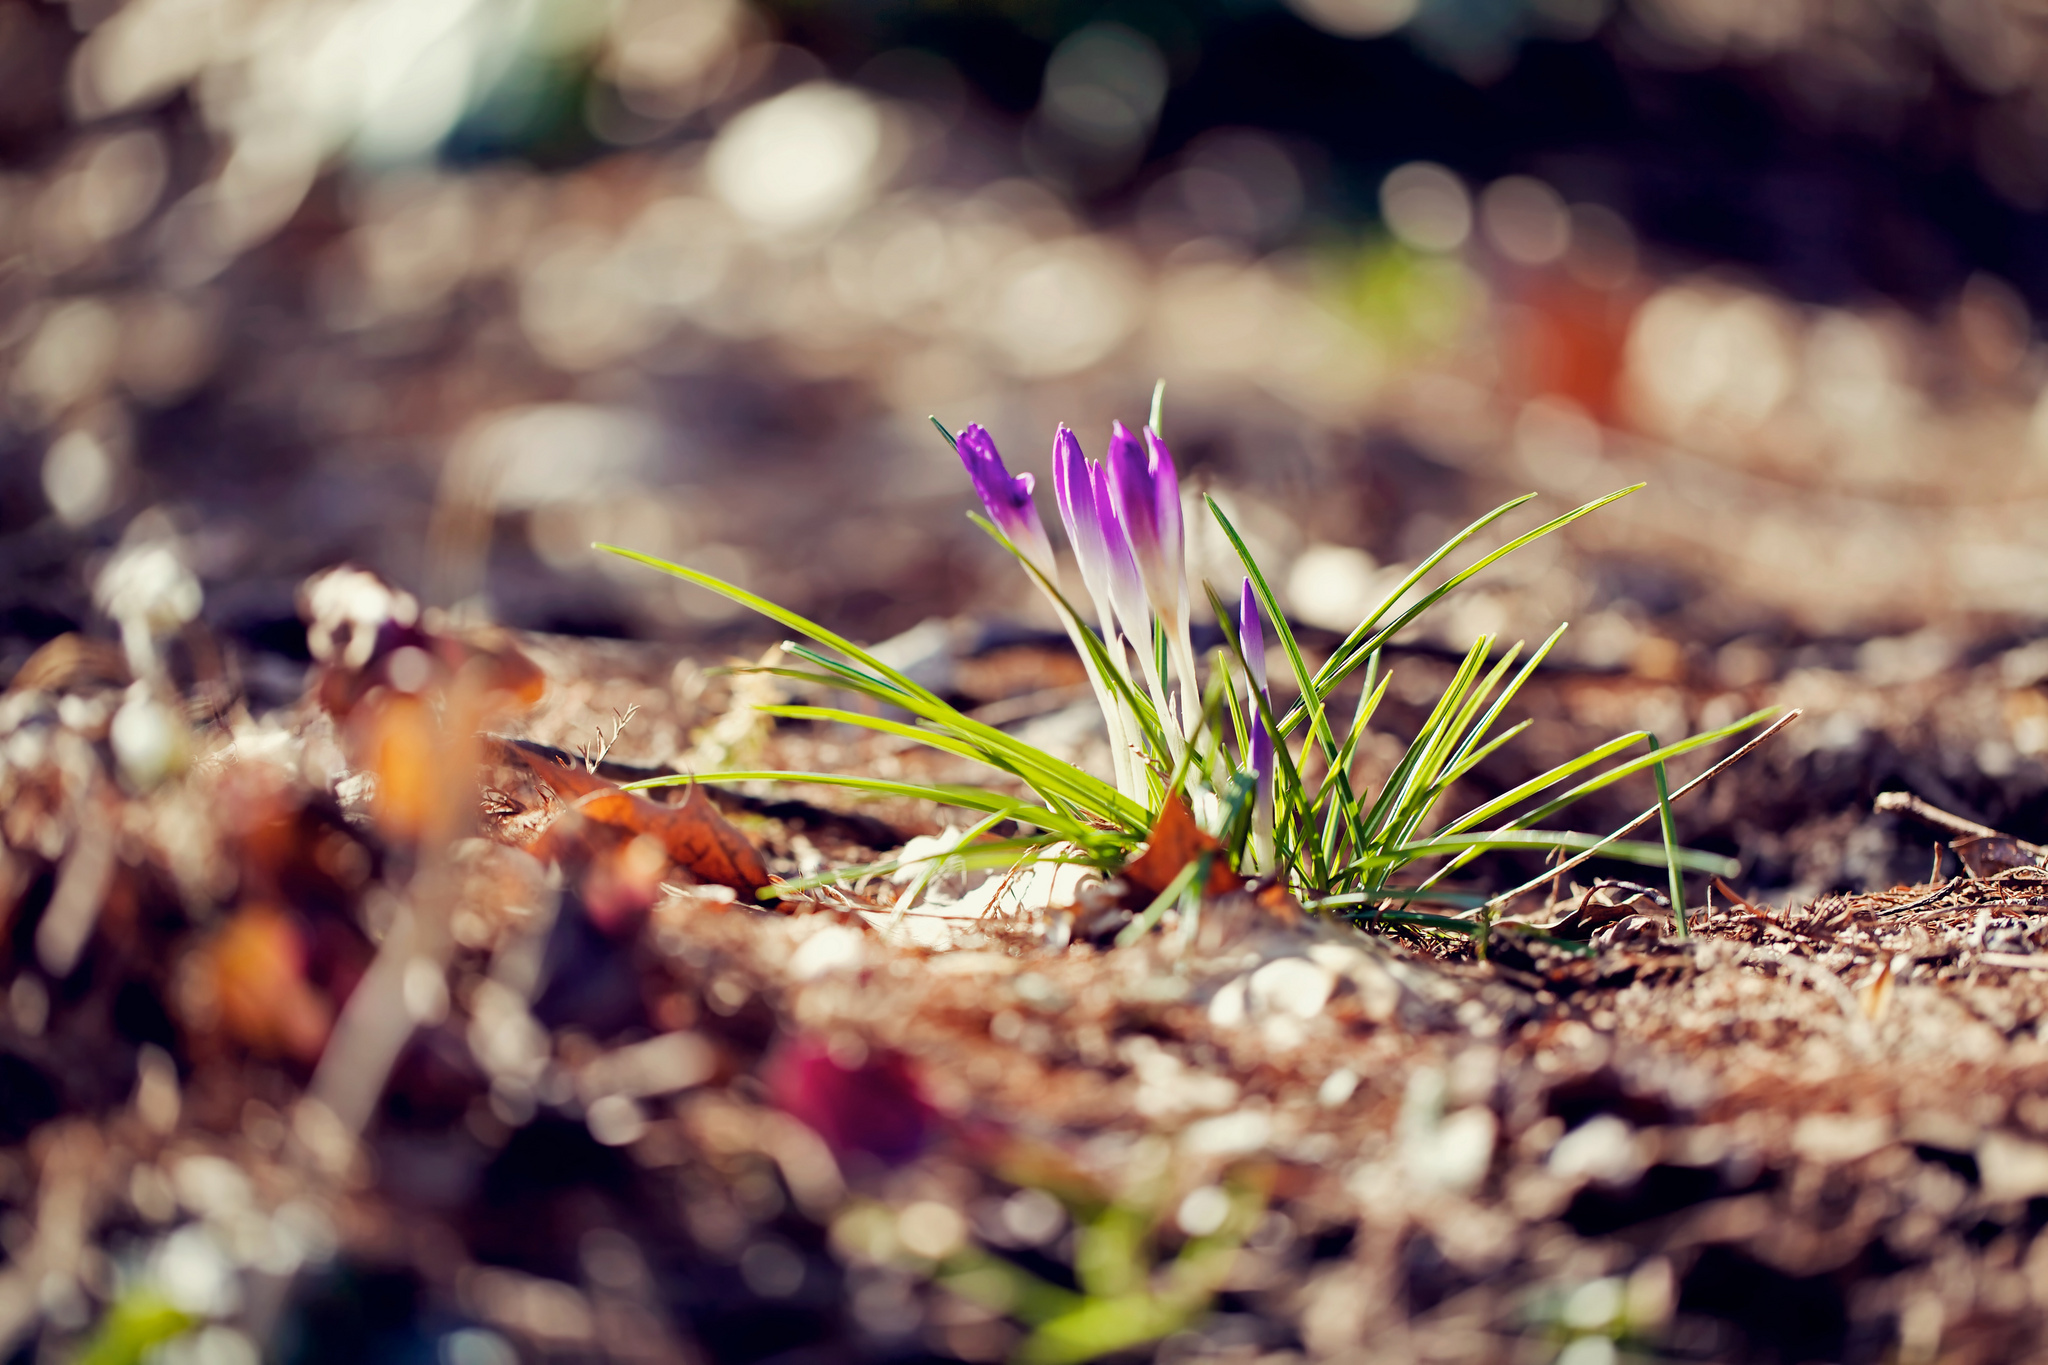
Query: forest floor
339, 1035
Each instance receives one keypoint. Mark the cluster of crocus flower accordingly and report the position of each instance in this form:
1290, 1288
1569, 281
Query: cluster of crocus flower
1124, 523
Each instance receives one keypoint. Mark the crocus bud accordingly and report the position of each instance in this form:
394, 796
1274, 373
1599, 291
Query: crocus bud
1146, 490
1251, 634
1073, 487
1126, 588
1007, 499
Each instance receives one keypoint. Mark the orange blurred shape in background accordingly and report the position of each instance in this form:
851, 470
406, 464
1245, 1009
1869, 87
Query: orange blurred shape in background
257, 966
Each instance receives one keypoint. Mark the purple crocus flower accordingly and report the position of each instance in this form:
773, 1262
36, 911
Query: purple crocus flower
1073, 487
1251, 634
1008, 500
1126, 585
1146, 489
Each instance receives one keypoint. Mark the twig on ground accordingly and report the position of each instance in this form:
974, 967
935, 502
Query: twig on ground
1906, 803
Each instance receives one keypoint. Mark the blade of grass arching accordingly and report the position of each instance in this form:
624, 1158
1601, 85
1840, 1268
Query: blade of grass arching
1400, 783
945, 794
1432, 776
1051, 777
1159, 409
1195, 874
1748, 747
1445, 763
1636, 765
1469, 757
1507, 800
1670, 844
1483, 752
930, 738
1311, 702
843, 674
998, 853
1465, 758
1341, 813
1695, 860
775, 613
1364, 629
1086, 790
1345, 659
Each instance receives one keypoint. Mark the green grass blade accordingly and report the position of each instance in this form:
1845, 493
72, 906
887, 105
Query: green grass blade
1345, 659
1513, 797
945, 794
995, 853
773, 612
1694, 860
1319, 726
1670, 843
1195, 871
1648, 760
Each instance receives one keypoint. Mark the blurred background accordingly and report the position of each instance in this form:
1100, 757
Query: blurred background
454, 287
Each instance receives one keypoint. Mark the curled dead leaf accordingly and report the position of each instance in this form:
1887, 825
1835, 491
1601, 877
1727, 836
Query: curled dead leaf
1176, 840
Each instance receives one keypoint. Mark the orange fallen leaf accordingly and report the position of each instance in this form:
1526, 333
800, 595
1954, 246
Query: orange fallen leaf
695, 833
1176, 840
697, 836
258, 973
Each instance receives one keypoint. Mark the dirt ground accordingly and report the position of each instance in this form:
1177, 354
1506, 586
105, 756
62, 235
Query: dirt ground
620, 1116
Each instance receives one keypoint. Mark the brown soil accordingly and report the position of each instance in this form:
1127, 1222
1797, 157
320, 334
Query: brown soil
713, 1133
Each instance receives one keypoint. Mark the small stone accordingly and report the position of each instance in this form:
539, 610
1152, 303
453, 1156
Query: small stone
1291, 985
1603, 1149
834, 948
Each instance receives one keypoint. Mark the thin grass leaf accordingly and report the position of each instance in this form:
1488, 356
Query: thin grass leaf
1513, 797
1670, 843
1695, 860
996, 853
945, 794
1196, 869
1358, 643
753, 602
1648, 760
1383, 817
1396, 893
1319, 727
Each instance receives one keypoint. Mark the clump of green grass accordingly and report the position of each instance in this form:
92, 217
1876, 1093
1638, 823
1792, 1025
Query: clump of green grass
1277, 787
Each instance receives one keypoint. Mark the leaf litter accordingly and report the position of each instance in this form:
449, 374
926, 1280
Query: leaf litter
630, 1116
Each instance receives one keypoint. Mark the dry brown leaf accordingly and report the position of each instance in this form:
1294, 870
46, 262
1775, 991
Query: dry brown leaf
1176, 840
697, 836
1990, 854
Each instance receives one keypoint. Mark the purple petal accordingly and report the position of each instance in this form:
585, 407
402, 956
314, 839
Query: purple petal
1130, 486
1166, 497
1074, 489
1251, 634
1007, 500
1126, 588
